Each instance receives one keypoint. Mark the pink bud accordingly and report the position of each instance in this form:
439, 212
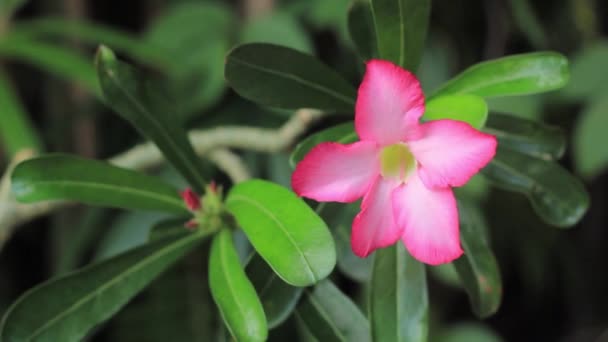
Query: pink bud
192, 224
191, 199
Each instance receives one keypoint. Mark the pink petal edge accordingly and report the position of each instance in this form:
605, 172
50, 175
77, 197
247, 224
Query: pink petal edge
450, 152
389, 103
335, 172
429, 220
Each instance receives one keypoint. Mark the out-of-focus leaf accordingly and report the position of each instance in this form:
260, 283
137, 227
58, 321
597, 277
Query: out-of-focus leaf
16, 130
401, 27
467, 332
57, 176
525, 106
195, 36
279, 170
8, 7
587, 80
57, 60
283, 229
276, 76
169, 227
528, 73
526, 136
398, 302
528, 23
343, 133
446, 274
559, 198
66, 308
329, 315
233, 293
591, 139
144, 105
278, 28
477, 268
468, 108
362, 30
437, 63
278, 298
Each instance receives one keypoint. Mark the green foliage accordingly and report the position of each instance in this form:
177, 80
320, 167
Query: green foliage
468, 108
57, 176
233, 292
276, 76
398, 299
362, 30
277, 28
291, 237
68, 307
587, 79
590, 140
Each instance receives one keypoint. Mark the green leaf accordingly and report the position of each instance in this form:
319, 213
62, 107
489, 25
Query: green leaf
167, 228
477, 268
526, 136
16, 129
587, 82
468, 332
278, 298
51, 58
528, 73
590, 139
362, 30
343, 133
276, 76
142, 104
8, 7
58, 176
468, 108
283, 229
233, 292
278, 28
329, 315
559, 198
398, 299
66, 308
401, 28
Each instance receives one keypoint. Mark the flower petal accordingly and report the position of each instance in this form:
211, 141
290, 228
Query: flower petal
450, 152
336, 172
374, 227
390, 101
429, 220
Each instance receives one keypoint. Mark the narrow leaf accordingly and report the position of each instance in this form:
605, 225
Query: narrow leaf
477, 268
278, 298
66, 308
526, 136
283, 229
329, 315
143, 104
468, 108
398, 299
343, 133
559, 198
528, 73
361, 28
590, 139
401, 28
16, 129
65, 177
233, 292
276, 76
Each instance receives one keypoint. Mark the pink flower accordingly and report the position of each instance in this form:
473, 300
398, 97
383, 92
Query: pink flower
404, 170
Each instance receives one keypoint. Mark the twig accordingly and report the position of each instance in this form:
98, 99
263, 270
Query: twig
211, 143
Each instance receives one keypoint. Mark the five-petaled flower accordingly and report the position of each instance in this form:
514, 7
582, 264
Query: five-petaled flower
403, 169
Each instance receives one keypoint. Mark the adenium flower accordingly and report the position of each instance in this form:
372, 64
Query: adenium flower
403, 169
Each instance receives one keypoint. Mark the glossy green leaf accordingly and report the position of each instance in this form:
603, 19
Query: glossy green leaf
58, 176
398, 299
590, 139
477, 268
66, 308
559, 198
233, 292
278, 28
342, 133
278, 298
276, 76
283, 229
528, 73
526, 136
16, 129
141, 103
54, 59
468, 108
401, 28
329, 315
361, 28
